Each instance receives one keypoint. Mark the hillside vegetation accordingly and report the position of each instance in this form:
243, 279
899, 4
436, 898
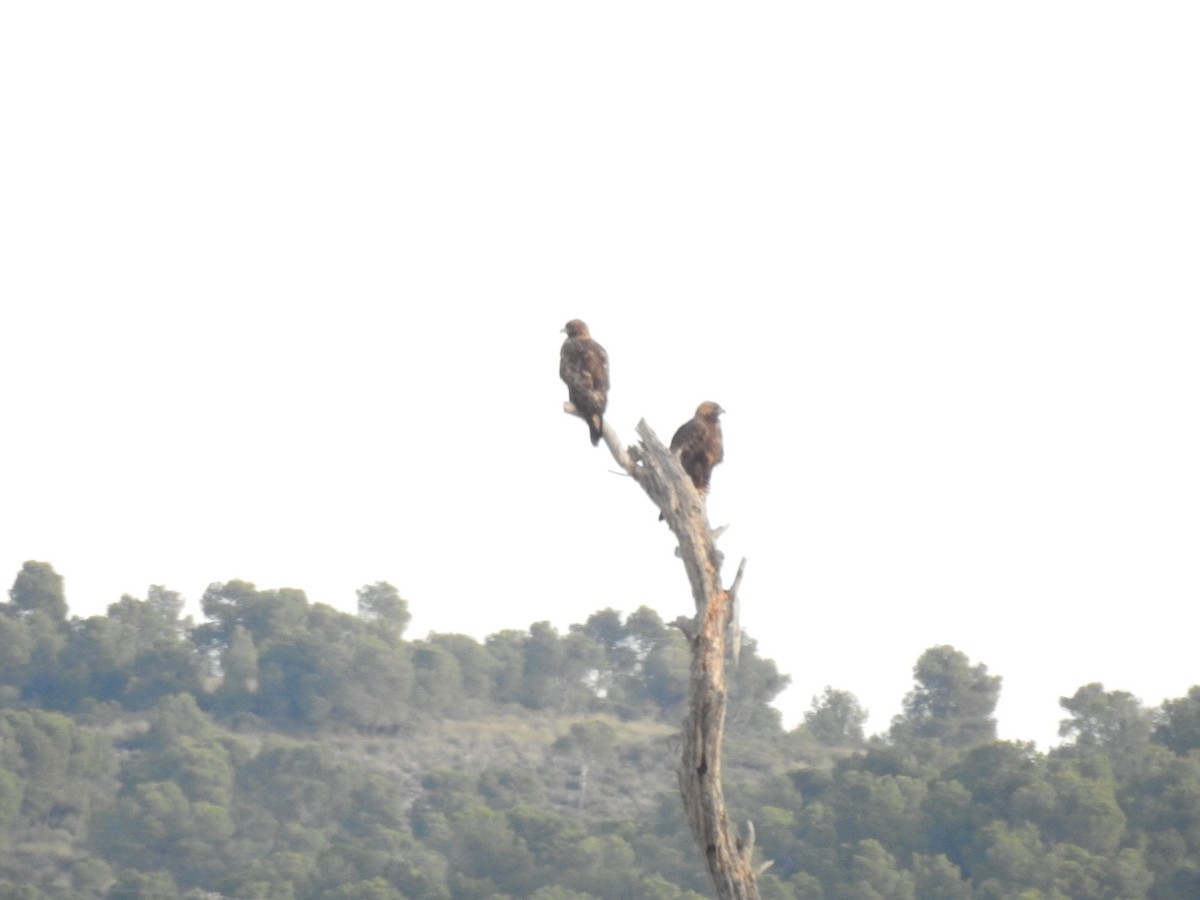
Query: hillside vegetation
284, 749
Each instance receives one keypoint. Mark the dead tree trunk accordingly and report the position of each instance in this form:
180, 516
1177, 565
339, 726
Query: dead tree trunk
729, 861
659, 473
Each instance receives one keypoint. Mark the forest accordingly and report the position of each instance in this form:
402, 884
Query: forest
284, 749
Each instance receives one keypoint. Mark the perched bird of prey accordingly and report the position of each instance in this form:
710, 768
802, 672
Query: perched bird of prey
583, 366
700, 444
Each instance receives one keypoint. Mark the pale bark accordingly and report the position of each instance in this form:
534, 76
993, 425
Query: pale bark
660, 475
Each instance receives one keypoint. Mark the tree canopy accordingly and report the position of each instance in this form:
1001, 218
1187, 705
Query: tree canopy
280, 748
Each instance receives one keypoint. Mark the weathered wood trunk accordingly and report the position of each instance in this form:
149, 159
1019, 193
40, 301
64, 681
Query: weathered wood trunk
654, 467
700, 766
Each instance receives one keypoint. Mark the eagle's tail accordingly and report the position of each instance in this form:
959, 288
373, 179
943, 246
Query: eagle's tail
596, 427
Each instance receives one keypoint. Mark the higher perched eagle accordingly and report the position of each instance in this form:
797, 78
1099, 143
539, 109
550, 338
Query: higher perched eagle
583, 366
700, 444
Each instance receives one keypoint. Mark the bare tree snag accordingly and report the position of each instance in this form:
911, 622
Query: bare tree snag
661, 476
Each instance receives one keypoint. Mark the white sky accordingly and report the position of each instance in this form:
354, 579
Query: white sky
282, 286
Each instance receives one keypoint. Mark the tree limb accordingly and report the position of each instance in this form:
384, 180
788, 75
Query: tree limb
663, 479
735, 615
610, 438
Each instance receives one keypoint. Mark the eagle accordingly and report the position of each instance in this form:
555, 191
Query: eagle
583, 365
700, 444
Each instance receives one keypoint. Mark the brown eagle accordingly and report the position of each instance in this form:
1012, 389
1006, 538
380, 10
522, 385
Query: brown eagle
700, 444
583, 365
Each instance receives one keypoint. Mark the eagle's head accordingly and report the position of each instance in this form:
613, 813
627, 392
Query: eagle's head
576, 328
709, 410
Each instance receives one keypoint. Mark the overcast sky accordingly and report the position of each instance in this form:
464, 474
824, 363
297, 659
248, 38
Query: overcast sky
281, 288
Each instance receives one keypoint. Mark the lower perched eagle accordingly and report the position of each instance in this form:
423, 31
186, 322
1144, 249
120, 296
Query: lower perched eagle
700, 444
583, 365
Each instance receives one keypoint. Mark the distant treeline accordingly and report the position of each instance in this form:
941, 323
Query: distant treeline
284, 749
270, 656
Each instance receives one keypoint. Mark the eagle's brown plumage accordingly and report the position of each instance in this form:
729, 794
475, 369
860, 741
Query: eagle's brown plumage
583, 365
700, 444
